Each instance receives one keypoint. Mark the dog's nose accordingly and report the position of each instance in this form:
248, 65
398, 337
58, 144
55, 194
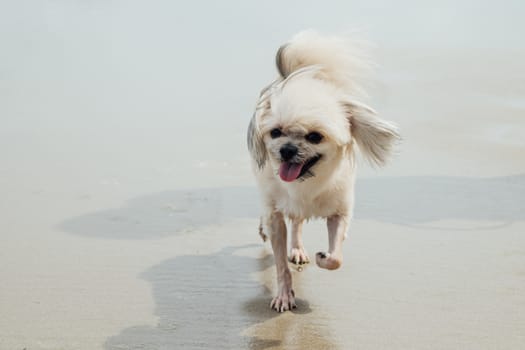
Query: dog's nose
288, 151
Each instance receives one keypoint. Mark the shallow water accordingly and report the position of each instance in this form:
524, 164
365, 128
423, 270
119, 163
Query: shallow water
412, 200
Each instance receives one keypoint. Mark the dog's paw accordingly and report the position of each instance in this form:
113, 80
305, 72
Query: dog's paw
327, 261
298, 256
284, 301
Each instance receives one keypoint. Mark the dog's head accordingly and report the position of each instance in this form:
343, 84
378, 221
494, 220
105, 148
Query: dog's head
306, 126
305, 123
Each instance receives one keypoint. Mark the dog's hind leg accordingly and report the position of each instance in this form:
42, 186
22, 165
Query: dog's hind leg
276, 227
298, 254
261, 231
337, 226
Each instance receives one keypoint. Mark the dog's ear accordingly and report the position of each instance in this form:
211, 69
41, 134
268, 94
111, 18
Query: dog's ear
375, 137
281, 62
256, 144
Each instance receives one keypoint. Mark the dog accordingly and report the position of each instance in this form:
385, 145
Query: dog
303, 138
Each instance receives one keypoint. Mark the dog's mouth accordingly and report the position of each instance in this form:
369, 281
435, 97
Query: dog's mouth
291, 171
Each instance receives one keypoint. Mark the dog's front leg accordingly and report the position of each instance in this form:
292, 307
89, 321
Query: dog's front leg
337, 226
285, 299
298, 254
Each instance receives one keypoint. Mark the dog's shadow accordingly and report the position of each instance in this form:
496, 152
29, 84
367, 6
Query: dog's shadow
207, 301
398, 200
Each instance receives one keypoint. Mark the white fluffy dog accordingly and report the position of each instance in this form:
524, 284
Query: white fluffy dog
302, 139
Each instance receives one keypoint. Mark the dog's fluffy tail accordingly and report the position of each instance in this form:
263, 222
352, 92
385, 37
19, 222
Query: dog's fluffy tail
342, 61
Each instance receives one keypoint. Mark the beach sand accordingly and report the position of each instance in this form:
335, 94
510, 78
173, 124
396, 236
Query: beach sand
129, 212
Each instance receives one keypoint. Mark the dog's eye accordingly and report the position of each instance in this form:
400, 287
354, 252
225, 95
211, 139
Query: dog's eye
314, 137
275, 133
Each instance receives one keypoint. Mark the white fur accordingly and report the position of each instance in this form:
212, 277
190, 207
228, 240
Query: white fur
317, 91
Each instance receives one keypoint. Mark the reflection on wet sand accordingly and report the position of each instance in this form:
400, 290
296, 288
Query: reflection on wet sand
213, 300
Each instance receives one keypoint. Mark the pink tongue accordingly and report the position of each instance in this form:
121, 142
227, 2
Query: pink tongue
289, 171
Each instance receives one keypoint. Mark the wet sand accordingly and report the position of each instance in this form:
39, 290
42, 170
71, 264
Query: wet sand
129, 214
